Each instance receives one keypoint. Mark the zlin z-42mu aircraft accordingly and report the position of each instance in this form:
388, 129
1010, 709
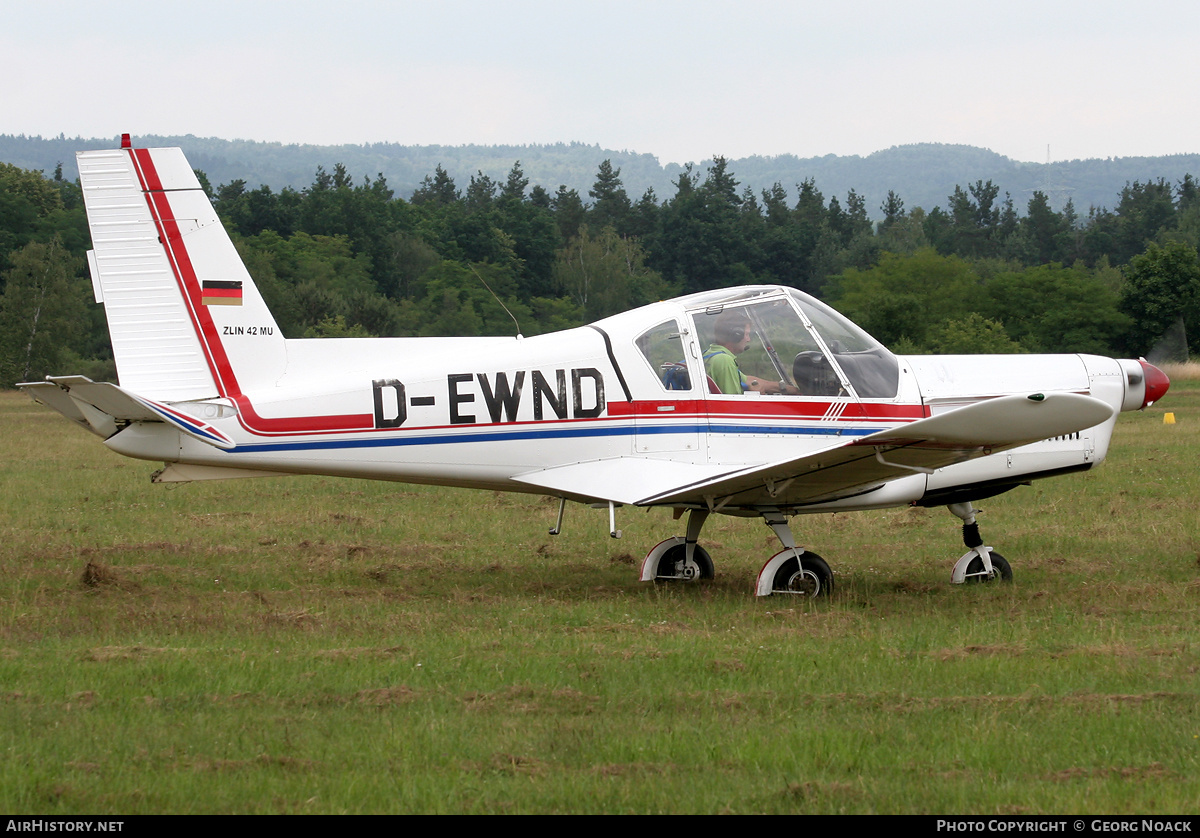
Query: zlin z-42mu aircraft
645, 408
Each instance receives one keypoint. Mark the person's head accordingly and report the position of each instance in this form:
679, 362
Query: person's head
733, 330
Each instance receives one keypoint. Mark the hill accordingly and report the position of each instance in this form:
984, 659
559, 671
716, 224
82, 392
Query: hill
921, 174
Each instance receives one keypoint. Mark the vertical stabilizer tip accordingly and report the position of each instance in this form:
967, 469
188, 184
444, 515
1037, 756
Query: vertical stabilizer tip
126, 142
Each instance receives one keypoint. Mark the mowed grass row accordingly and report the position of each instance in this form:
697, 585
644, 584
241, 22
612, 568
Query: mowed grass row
318, 645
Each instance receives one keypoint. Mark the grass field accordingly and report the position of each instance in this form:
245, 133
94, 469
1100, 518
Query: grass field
316, 645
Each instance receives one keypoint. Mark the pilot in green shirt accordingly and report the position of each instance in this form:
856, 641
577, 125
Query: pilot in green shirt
723, 368
733, 336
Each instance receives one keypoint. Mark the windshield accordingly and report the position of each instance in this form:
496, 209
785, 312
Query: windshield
871, 368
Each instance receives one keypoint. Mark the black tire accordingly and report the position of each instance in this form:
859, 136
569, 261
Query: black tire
808, 576
670, 566
1000, 565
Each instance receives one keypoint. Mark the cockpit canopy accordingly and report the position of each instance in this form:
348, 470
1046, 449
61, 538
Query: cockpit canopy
794, 338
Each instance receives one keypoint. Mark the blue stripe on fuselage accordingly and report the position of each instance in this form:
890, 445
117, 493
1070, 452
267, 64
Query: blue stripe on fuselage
464, 436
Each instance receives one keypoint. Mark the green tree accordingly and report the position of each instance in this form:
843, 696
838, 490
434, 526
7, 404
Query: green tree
554, 314
1144, 212
306, 279
515, 184
975, 220
1049, 308
1188, 212
249, 213
701, 242
569, 212
905, 297
481, 192
336, 327
1043, 230
437, 188
534, 234
817, 241
606, 273
644, 218
972, 334
610, 205
364, 215
1162, 285
906, 234
775, 205
35, 209
411, 256
892, 209
463, 299
40, 312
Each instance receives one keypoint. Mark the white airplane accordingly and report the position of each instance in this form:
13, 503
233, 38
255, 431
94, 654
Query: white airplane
626, 411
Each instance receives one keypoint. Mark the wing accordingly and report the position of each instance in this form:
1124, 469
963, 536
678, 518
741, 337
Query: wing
839, 470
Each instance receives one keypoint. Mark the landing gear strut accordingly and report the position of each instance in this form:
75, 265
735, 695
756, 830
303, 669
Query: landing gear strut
680, 559
979, 563
793, 570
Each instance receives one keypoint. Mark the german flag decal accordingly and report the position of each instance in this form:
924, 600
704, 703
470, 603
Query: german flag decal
222, 292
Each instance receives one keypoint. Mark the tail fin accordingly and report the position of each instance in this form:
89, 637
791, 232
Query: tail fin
185, 318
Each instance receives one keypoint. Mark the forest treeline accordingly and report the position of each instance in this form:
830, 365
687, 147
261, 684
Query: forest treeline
346, 258
923, 173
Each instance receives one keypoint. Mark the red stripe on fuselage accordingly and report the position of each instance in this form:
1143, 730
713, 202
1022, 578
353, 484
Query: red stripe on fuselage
753, 407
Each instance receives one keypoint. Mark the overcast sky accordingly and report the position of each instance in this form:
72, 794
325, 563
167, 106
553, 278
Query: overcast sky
680, 80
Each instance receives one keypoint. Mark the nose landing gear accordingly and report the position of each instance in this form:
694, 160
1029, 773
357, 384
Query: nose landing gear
979, 563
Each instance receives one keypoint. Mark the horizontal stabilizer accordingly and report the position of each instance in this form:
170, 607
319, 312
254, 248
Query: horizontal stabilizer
104, 408
57, 398
101, 408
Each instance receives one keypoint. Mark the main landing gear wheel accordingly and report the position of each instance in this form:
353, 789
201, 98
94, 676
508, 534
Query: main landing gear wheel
672, 567
1000, 569
792, 571
668, 561
806, 576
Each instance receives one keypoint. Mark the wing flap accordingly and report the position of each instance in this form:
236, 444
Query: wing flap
621, 479
188, 473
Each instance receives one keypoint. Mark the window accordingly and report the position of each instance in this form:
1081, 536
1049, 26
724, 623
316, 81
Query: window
769, 341
664, 351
